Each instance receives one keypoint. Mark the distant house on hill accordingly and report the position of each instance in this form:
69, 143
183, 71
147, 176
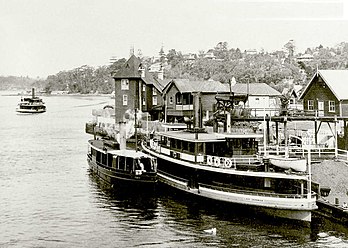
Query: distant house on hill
327, 94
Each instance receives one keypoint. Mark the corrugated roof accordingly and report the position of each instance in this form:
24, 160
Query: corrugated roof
255, 89
208, 86
337, 80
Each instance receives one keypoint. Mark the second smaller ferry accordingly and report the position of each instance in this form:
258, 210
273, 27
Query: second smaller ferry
121, 168
31, 105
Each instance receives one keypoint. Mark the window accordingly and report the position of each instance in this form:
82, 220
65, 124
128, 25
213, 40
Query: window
144, 102
125, 100
171, 100
144, 87
310, 105
332, 106
124, 84
154, 100
154, 93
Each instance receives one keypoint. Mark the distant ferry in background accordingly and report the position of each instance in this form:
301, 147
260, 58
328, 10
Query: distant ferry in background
31, 105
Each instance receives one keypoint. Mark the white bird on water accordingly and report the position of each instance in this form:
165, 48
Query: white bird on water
211, 231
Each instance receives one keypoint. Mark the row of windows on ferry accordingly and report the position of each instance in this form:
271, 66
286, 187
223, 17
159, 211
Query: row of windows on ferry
332, 105
231, 147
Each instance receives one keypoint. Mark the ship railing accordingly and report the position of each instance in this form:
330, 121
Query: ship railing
258, 193
231, 162
299, 151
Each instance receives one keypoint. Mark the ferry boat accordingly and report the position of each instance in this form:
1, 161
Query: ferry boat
121, 168
226, 167
31, 105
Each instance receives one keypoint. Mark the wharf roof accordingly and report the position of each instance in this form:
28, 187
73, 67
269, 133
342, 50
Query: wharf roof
203, 86
336, 80
255, 89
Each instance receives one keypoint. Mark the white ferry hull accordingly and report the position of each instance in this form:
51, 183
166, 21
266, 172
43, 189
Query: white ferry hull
29, 111
287, 208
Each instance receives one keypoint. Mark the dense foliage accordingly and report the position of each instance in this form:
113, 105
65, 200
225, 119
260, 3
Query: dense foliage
275, 69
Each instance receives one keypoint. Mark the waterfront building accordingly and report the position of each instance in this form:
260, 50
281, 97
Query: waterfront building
327, 94
135, 88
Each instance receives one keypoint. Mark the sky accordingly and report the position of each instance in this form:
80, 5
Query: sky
43, 37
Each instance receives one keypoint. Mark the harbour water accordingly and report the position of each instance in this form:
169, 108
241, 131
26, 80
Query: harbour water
49, 199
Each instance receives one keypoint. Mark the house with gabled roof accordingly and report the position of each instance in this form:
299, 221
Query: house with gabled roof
179, 97
135, 88
326, 94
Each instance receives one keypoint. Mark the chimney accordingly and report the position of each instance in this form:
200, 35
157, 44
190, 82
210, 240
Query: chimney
142, 70
122, 130
160, 74
32, 92
197, 109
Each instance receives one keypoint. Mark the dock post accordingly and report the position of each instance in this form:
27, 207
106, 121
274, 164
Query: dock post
309, 162
336, 137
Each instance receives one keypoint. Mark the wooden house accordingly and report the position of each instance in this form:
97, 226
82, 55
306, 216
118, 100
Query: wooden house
179, 98
327, 94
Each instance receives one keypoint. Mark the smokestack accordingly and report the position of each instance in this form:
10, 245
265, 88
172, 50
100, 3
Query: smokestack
197, 110
122, 130
32, 92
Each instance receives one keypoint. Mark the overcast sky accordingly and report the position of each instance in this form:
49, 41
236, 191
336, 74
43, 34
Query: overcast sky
43, 37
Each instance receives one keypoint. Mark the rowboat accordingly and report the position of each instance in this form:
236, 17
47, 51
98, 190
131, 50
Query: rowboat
297, 164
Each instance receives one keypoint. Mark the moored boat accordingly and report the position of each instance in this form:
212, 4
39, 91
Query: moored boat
296, 164
31, 105
121, 168
226, 167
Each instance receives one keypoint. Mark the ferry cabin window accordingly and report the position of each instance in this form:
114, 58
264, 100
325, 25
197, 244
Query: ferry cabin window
124, 84
200, 148
185, 146
129, 164
98, 157
191, 147
147, 163
121, 163
103, 159
109, 160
